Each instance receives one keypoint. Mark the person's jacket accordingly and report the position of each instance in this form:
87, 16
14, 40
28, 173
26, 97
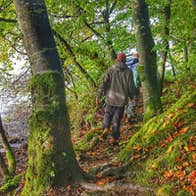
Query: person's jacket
132, 64
118, 85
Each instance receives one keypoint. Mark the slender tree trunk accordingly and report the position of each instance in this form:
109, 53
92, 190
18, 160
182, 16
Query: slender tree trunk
11, 162
172, 64
167, 13
106, 14
186, 56
3, 167
148, 67
51, 158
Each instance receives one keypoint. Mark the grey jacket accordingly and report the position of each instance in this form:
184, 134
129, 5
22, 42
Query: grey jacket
117, 85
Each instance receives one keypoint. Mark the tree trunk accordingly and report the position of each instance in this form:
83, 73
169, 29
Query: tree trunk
51, 158
148, 67
165, 43
11, 161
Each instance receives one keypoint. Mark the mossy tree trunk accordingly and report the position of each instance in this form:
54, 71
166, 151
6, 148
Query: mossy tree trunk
148, 68
51, 158
9, 169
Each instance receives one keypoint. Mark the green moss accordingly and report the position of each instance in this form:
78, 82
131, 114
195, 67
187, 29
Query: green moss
10, 185
46, 164
47, 89
164, 190
161, 126
88, 141
183, 193
159, 146
11, 162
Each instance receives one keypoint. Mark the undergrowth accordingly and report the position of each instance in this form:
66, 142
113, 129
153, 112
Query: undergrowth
163, 150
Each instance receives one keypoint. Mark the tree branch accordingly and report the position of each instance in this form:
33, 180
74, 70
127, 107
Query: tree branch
112, 7
72, 55
8, 20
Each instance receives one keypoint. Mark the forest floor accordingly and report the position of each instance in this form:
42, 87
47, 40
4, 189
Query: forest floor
102, 155
112, 176
159, 154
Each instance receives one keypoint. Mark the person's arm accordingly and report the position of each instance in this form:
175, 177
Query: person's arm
103, 88
131, 87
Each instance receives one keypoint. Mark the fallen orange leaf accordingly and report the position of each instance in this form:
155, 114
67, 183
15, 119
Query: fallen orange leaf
168, 174
183, 130
191, 105
179, 167
136, 147
180, 174
185, 164
170, 138
171, 115
194, 156
100, 182
68, 188
136, 156
154, 132
190, 189
178, 124
191, 139
191, 147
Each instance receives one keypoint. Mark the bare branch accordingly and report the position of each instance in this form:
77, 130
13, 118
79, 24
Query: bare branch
8, 20
72, 55
112, 7
14, 47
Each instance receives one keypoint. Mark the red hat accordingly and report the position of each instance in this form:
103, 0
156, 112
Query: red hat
121, 56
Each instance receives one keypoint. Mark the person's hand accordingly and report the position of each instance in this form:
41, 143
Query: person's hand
97, 100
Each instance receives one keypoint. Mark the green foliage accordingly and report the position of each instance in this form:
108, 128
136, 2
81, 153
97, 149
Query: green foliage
89, 140
10, 185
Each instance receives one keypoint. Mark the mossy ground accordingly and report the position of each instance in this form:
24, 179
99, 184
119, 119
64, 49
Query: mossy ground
162, 151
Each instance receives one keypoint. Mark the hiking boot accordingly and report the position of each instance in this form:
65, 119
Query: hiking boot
105, 133
115, 142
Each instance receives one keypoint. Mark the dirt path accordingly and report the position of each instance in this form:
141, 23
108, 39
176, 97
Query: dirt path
112, 175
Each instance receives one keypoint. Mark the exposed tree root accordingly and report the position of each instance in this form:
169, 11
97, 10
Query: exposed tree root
118, 187
110, 170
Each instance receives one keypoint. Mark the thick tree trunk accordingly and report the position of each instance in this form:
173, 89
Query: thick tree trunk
51, 156
148, 68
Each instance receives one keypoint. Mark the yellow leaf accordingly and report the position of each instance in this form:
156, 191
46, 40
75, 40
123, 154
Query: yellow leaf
170, 149
185, 164
183, 130
154, 166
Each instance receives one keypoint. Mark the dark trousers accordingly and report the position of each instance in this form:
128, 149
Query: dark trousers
113, 114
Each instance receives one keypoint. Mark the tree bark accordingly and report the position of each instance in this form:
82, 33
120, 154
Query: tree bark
148, 67
51, 158
10, 168
165, 43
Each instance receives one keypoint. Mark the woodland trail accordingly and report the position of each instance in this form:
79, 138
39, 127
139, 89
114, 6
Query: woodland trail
112, 177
